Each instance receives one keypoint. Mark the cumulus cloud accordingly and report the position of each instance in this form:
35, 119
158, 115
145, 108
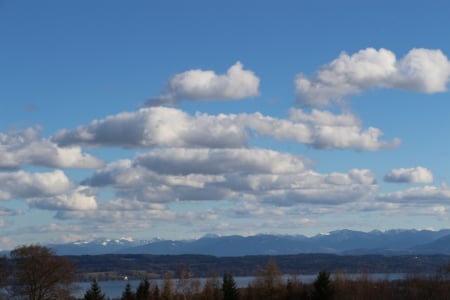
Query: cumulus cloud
323, 194
47, 190
170, 127
423, 70
26, 147
409, 175
426, 194
156, 127
135, 182
80, 198
197, 85
219, 161
22, 184
230, 174
320, 129
309, 187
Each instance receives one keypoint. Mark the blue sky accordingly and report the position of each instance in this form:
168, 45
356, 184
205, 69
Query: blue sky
176, 119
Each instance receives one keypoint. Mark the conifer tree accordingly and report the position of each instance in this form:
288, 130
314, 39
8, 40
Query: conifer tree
128, 293
322, 287
143, 290
156, 293
230, 291
94, 293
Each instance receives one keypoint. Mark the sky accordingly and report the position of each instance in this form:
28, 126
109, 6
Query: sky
178, 119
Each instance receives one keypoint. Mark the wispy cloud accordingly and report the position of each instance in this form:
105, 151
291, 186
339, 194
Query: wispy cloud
8, 212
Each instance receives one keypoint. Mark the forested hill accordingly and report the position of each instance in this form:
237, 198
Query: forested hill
204, 265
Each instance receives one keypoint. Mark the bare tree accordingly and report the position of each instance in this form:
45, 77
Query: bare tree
168, 288
269, 281
211, 288
38, 274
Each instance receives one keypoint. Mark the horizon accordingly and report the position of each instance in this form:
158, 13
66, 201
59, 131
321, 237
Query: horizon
212, 235
179, 120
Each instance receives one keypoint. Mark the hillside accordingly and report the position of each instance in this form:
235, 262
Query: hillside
204, 265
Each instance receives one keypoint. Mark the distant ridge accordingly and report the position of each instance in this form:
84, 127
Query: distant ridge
439, 246
392, 242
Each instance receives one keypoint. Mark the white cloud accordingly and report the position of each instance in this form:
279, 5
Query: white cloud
363, 176
77, 199
324, 118
409, 175
230, 174
219, 161
22, 184
27, 148
127, 204
135, 182
249, 209
312, 188
426, 194
156, 127
137, 215
280, 129
197, 84
123, 211
120, 173
321, 129
421, 70
328, 137
170, 127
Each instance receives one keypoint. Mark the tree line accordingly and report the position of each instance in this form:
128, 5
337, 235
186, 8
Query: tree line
36, 273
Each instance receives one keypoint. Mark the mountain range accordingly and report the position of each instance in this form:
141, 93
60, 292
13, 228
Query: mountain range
343, 242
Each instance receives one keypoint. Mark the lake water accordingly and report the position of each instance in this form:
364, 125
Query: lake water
115, 288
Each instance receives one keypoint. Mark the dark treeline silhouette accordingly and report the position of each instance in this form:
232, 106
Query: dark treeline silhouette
36, 273
270, 284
